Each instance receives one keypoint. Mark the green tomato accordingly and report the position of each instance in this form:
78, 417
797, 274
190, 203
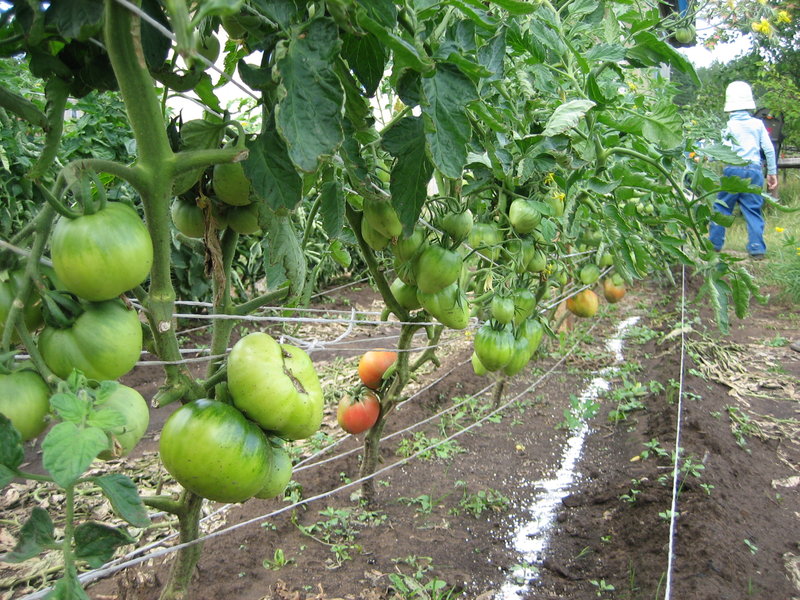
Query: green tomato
381, 216
372, 237
589, 273
208, 47
494, 347
486, 237
405, 248
457, 224
521, 357
437, 268
278, 475
133, 407
104, 342
244, 219
477, 365
606, 260
522, 253
524, 304
406, 295
685, 35
230, 184
406, 271
188, 218
502, 309
211, 449
31, 314
276, 386
523, 216
538, 263
449, 306
533, 331
25, 401
101, 255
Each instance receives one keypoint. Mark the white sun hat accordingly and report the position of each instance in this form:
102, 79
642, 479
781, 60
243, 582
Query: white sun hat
739, 96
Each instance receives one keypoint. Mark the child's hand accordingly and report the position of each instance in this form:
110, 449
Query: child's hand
772, 183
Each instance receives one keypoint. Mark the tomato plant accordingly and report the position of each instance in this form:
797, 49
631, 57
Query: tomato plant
357, 414
373, 365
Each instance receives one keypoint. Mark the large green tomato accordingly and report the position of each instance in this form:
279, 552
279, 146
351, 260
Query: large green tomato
533, 331
25, 400
524, 304
523, 216
436, 268
104, 342
279, 474
133, 407
381, 216
373, 238
101, 255
244, 219
230, 184
10, 283
276, 386
494, 346
405, 248
522, 354
406, 295
449, 306
188, 218
486, 237
457, 224
211, 449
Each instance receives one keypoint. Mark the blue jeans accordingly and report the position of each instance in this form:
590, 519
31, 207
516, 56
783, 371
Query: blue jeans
751, 210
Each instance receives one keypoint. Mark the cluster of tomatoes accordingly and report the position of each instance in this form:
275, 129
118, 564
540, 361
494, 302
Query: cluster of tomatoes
232, 452
230, 206
358, 412
504, 265
97, 256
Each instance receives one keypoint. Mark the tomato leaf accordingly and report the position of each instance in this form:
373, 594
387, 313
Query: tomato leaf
67, 451
332, 208
447, 127
76, 19
567, 116
95, 543
34, 536
366, 57
106, 419
663, 126
124, 497
408, 183
271, 173
309, 115
69, 407
650, 51
284, 262
11, 452
405, 53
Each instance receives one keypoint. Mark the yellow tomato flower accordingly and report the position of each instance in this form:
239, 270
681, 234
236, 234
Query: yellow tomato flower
762, 26
783, 17
731, 4
549, 178
779, 229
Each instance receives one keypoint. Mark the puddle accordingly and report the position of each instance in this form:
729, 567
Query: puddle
530, 539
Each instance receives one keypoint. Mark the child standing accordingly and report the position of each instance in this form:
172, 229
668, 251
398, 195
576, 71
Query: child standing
748, 137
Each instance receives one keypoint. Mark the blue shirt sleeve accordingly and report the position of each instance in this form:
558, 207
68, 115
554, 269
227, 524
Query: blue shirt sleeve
769, 151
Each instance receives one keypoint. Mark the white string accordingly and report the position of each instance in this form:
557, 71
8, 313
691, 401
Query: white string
675, 469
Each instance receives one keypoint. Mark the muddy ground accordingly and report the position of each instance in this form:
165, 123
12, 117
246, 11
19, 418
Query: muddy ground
443, 523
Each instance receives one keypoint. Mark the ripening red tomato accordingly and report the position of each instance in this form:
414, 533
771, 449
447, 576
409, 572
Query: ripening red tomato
373, 365
358, 414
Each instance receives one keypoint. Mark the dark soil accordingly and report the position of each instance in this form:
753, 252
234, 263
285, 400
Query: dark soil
451, 518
